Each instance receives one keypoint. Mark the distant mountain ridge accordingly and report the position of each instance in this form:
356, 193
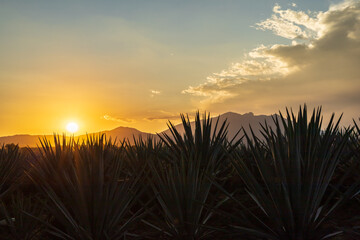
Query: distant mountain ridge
235, 120
118, 133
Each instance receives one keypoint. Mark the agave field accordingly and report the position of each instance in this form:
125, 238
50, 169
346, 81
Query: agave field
300, 180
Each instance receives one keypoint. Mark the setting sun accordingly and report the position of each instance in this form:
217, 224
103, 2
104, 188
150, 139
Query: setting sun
72, 127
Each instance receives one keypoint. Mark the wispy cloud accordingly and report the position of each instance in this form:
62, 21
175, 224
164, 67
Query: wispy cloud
163, 115
321, 59
153, 93
166, 115
292, 24
118, 119
258, 65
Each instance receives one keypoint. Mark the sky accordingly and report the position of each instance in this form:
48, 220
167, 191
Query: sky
104, 64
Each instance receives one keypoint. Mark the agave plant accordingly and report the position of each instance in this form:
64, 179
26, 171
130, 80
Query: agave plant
18, 223
291, 186
10, 168
355, 141
91, 197
141, 152
182, 179
352, 223
14, 222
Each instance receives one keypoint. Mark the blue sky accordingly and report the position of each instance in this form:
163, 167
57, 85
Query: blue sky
133, 61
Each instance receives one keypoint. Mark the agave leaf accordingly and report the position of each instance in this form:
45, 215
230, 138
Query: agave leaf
10, 168
20, 225
291, 183
181, 179
91, 196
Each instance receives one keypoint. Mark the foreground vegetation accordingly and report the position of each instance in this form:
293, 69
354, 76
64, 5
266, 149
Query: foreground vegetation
298, 181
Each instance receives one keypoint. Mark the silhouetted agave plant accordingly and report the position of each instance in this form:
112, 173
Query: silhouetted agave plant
182, 178
10, 168
91, 197
353, 222
141, 152
18, 222
355, 141
291, 185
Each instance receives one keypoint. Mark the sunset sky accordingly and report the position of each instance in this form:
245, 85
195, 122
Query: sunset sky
105, 64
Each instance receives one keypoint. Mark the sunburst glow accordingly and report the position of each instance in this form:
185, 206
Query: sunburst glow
72, 127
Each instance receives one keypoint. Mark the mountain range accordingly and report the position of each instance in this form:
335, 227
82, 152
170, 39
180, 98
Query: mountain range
235, 120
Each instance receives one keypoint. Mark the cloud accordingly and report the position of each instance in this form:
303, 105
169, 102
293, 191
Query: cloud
259, 65
163, 115
292, 24
153, 93
118, 119
160, 115
320, 65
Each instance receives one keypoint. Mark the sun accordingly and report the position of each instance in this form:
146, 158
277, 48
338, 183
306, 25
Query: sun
72, 127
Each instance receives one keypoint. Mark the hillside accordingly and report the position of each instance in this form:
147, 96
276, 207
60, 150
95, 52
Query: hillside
118, 133
235, 121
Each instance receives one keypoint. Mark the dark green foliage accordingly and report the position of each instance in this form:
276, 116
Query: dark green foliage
352, 161
291, 185
299, 181
141, 152
18, 223
91, 197
355, 141
10, 168
182, 178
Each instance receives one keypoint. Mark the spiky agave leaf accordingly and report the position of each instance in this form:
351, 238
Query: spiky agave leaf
10, 168
138, 155
50, 159
182, 179
19, 223
141, 152
355, 141
352, 227
93, 197
291, 185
